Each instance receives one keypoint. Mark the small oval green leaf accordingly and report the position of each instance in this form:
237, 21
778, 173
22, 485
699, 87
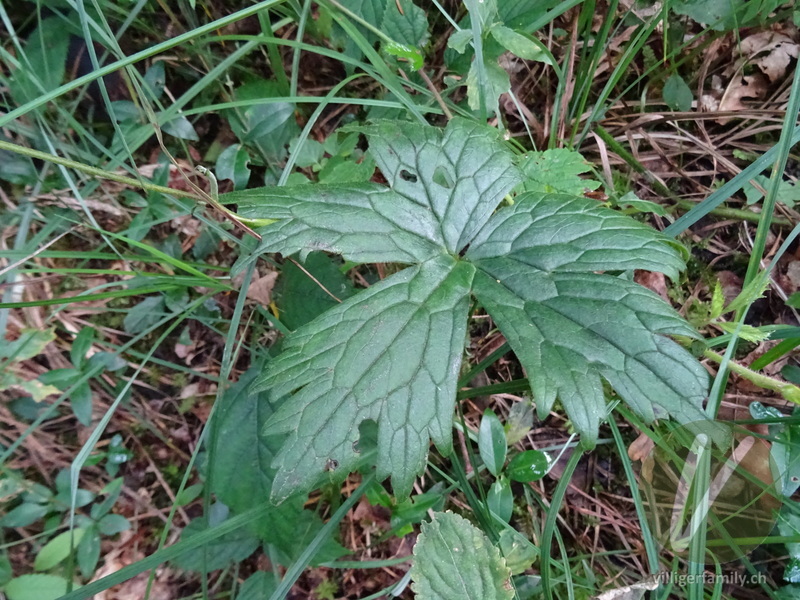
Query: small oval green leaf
88, 553
259, 585
492, 442
36, 587
519, 44
181, 127
23, 515
234, 164
500, 500
518, 551
791, 373
527, 466
677, 94
458, 40
81, 345
57, 549
189, 494
113, 524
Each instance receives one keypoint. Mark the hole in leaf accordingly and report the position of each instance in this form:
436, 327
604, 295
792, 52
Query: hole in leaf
442, 177
331, 465
367, 437
408, 176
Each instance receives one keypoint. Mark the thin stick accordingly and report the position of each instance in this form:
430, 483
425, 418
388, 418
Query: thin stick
315, 280
21, 261
435, 93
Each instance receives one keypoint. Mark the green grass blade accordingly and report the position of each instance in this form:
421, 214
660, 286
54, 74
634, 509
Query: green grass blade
134, 58
552, 519
650, 543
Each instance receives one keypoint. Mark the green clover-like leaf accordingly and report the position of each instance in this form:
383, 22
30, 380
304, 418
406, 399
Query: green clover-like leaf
542, 267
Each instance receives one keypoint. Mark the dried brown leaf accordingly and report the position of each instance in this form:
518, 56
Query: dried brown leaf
640, 448
771, 52
793, 276
260, 290
630, 592
655, 282
747, 86
731, 285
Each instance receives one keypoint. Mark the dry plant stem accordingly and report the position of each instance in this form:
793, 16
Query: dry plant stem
164, 485
570, 81
726, 212
439, 100
136, 183
315, 280
462, 442
212, 198
789, 391
22, 261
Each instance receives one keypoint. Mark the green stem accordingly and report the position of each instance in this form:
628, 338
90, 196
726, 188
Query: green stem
94, 171
551, 521
480, 65
787, 390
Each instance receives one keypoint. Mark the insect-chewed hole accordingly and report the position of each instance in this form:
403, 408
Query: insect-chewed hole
331, 464
408, 176
367, 437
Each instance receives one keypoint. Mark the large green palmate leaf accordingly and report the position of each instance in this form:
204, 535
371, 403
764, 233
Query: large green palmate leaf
570, 326
544, 269
555, 232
